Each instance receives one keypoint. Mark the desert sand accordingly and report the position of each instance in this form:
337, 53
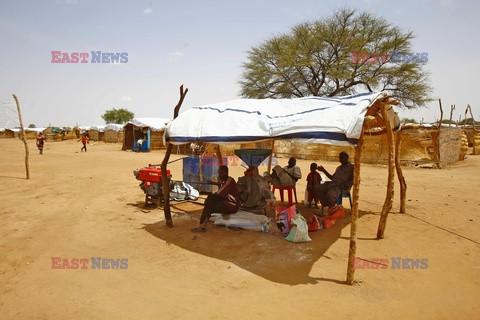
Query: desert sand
83, 205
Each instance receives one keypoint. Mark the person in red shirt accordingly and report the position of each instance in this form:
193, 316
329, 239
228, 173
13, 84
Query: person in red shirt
84, 142
225, 200
40, 142
313, 183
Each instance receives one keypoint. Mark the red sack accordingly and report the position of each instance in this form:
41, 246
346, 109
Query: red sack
328, 222
313, 223
336, 212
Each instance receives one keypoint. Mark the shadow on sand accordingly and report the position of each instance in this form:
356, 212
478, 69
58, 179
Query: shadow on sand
267, 255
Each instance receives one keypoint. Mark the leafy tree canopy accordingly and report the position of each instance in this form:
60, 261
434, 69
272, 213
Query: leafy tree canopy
320, 58
117, 116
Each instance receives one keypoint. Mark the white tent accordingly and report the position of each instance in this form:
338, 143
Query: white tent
114, 127
155, 124
326, 120
336, 121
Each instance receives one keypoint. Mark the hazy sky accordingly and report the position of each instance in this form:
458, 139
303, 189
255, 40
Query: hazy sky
200, 44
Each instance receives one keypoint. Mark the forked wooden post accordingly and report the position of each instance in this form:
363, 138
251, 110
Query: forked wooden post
353, 225
401, 178
165, 181
387, 205
27, 169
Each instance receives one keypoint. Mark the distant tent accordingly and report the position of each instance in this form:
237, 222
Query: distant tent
151, 129
6, 133
59, 133
96, 133
113, 133
31, 133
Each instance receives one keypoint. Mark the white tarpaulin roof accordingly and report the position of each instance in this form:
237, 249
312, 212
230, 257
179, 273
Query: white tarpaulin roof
37, 130
114, 127
336, 120
155, 124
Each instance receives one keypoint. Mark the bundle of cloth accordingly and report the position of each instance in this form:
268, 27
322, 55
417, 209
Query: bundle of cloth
254, 190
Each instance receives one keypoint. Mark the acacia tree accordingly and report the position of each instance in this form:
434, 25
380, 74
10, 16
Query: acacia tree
117, 116
318, 58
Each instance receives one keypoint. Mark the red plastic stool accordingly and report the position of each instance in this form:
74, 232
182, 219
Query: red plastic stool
289, 193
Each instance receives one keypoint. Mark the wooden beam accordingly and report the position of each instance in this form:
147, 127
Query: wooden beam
24, 139
165, 180
219, 155
452, 107
401, 178
473, 128
387, 205
441, 114
270, 158
353, 224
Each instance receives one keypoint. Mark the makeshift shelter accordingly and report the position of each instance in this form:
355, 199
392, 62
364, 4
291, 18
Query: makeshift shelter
473, 137
96, 133
31, 133
6, 133
12, 133
59, 133
149, 129
113, 133
340, 121
422, 145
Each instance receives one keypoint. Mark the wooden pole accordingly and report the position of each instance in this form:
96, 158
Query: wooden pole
270, 159
401, 178
441, 114
452, 107
353, 224
219, 155
387, 205
473, 128
437, 140
165, 181
27, 169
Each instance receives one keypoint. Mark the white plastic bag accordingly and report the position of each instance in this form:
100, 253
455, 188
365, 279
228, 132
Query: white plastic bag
299, 232
244, 220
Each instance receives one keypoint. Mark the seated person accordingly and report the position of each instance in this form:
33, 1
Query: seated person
313, 182
225, 200
287, 176
254, 190
139, 144
329, 192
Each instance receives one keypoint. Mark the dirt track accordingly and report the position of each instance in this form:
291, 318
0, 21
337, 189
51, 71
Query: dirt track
83, 205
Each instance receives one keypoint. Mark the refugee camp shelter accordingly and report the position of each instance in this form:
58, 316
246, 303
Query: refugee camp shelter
96, 133
6, 133
59, 133
339, 121
149, 129
113, 133
12, 132
422, 145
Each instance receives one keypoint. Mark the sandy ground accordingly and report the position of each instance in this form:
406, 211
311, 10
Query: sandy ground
83, 205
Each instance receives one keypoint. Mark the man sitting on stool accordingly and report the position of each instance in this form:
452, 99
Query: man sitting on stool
329, 192
225, 200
